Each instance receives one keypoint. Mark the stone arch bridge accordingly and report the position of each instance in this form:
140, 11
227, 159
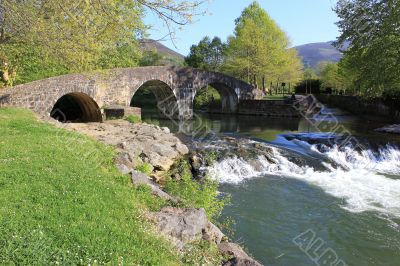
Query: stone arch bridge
173, 87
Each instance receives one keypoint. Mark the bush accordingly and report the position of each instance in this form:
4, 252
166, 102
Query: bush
133, 119
197, 194
145, 168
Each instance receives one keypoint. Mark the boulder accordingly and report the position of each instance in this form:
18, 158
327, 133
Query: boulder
123, 169
181, 148
124, 163
136, 140
166, 130
184, 226
196, 162
238, 256
160, 163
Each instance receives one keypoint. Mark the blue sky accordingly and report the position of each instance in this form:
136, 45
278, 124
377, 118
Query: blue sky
304, 21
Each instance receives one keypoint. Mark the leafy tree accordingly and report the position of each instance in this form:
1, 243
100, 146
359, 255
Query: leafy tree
329, 75
151, 58
260, 49
309, 73
372, 28
80, 35
208, 54
207, 97
349, 72
76, 32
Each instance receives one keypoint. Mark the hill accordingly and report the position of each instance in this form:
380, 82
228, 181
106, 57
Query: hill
149, 45
314, 53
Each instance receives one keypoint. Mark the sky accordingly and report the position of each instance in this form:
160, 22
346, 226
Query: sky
304, 21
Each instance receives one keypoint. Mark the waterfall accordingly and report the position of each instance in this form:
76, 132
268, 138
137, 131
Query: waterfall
364, 180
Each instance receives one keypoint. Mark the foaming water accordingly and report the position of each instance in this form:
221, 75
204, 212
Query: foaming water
362, 179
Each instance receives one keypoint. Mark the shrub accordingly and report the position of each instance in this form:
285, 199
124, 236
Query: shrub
145, 168
197, 194
133, 119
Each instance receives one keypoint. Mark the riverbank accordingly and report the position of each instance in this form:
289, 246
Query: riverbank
63, 196
362, 107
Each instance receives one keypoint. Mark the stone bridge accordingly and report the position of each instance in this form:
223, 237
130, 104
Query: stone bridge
83, 97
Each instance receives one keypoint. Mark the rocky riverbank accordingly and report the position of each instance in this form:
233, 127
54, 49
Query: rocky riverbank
139, 144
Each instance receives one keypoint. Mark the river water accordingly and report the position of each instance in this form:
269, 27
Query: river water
320, 198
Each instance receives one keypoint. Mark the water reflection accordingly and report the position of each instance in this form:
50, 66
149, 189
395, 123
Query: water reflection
268, 128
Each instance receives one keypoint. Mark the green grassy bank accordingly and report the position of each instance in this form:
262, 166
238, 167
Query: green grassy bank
63, 202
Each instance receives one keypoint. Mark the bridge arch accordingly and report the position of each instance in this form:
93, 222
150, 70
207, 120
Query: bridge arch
76, 107
229, 97
167, 103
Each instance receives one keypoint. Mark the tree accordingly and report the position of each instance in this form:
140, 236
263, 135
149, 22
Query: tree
329, 75
259, 49
82, 35
151, 57
372, 29
208, 54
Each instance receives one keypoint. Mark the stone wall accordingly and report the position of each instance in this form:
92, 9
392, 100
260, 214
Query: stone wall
118, 112
359, 106
273, 108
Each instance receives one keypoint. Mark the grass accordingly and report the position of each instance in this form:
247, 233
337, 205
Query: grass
134, 119
274, 97
145, 168
63, 202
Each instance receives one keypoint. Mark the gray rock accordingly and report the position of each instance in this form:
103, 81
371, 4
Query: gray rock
181, 148
239, 257
212, 234
123, 168
160, 163
141, 179
157, 144
184, 226
165, 130
164, 149
124, 163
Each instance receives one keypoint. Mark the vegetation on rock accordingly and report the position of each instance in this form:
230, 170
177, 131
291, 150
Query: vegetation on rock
133, 119
195, 193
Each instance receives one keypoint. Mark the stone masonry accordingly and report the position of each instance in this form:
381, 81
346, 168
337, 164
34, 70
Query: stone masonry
173, 87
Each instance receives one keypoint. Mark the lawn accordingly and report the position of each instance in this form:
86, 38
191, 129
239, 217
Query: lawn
274, 97
63, 202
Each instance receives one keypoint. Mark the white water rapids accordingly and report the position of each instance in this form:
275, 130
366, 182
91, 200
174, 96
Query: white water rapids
370, 182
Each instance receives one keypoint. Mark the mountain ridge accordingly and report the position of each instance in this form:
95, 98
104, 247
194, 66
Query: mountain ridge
150, 44
311, 53
314, 53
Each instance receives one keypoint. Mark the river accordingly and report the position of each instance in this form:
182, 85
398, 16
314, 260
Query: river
321, 199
